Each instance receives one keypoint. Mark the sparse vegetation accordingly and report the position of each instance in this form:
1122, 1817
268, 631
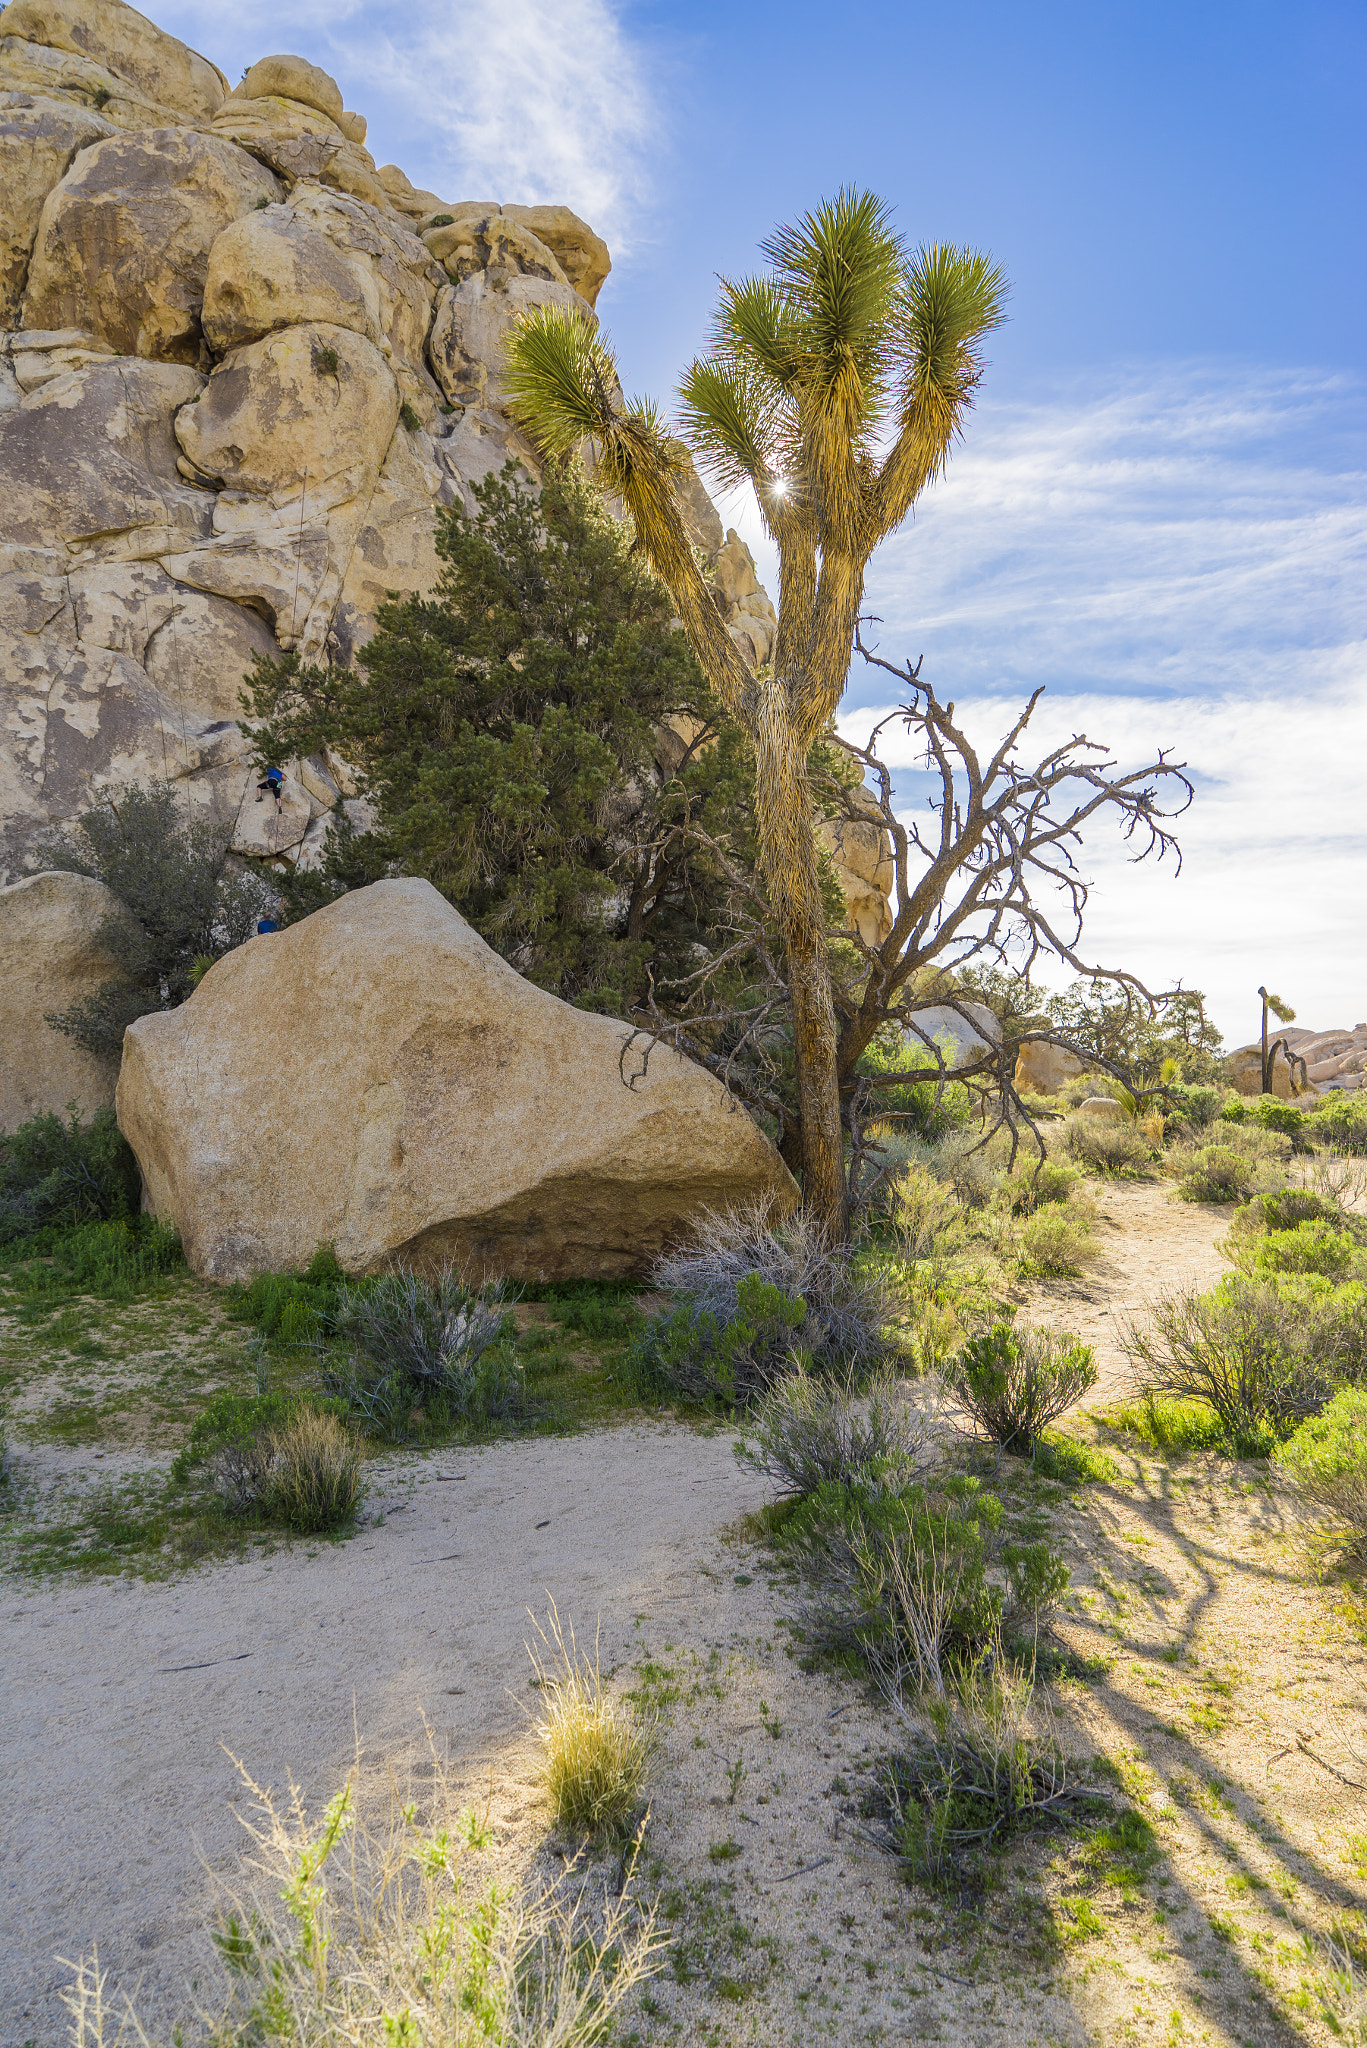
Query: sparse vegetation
808, 1431
597, 1750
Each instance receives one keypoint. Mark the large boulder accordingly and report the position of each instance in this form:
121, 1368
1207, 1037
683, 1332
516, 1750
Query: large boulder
1043, 1069
131, 50
271, 270
50, 958
582, 255
378, 1079
962, 1034
472, 323
38, 138
123, 244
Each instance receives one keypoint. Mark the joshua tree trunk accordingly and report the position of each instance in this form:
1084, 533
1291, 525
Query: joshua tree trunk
1267, 1074
785, 812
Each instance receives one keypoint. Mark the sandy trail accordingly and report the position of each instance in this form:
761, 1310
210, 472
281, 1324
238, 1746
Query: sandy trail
122, 1695
1151, 1244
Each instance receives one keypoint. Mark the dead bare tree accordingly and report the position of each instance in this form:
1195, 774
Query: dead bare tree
991, 878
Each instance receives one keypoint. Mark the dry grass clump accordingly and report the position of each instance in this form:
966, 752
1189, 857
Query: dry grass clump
597, 1749
314, 1480
402, 1933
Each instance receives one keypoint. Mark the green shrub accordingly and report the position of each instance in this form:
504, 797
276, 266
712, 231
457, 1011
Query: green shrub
1102, 1145
1340, 1120
1262, 1354
1056, 1241
1311, 1247
55, 1174
1014, 1384
1033, 1187
590, 1309
114, 1260
926, 1216
1218, 1173
1327, 1460
731, 1363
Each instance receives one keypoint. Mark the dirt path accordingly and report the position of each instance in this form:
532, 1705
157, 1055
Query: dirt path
1224, 1684
1151, 1244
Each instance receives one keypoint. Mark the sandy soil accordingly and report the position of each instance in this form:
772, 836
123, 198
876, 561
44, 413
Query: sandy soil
1227, 1685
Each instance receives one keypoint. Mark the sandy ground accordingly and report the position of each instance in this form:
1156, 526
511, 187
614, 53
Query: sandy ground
1220, 1666
1150, 1244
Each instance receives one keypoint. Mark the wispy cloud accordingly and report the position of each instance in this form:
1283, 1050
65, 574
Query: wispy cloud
1180, 561
528, 100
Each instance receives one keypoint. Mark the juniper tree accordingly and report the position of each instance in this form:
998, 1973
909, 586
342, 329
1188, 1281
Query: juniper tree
509, 728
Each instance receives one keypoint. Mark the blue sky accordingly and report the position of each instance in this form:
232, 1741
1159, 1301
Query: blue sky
1158, 510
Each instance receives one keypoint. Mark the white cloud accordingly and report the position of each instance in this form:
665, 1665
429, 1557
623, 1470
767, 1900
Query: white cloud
528, 100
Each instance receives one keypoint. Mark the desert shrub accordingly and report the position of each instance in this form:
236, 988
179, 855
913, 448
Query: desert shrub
756, 1292
1015, 1383
237, 1440
1200, 1106
1310, 1247
55, 1174
1035, 1186
114, 1260
807, 1431
314, 1480
926, 1215
918, 1580
1057, 1241
349, 1928
1327, 1460
168, 870
981, 1766
1261, 1358
1340, 1120
597, 1750
961, 1161
1217, 1173
733, 1362
401, 1344
292, 1308
1266, 1113
1101, 1145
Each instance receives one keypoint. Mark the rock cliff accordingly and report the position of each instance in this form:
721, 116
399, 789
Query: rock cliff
240, 366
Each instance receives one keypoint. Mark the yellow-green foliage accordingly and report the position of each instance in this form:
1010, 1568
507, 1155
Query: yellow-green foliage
597, 1750
315, 1475
1327, 1460
1057, 1241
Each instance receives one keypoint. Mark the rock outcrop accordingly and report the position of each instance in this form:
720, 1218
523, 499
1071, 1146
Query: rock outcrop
50, 958
241, 368
435, 1106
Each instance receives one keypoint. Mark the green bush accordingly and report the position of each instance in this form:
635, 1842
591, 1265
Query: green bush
1104, 1146
55, 1174
1327, 1460
1311, 1247
1340, 1120
1034, 1187
729, 1363
1263, 1353
114, 1260
402, 1346
1218, 1173
1267, 1113
292, 1308
1057, 1242
1014, 1384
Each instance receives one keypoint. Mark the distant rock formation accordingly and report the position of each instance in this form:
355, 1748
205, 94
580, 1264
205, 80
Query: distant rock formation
435, 1107
51, 958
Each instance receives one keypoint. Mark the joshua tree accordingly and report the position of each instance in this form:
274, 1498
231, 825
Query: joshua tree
835, 384
1284, 1014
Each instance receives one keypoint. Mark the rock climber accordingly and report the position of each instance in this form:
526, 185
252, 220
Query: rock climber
274, 781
